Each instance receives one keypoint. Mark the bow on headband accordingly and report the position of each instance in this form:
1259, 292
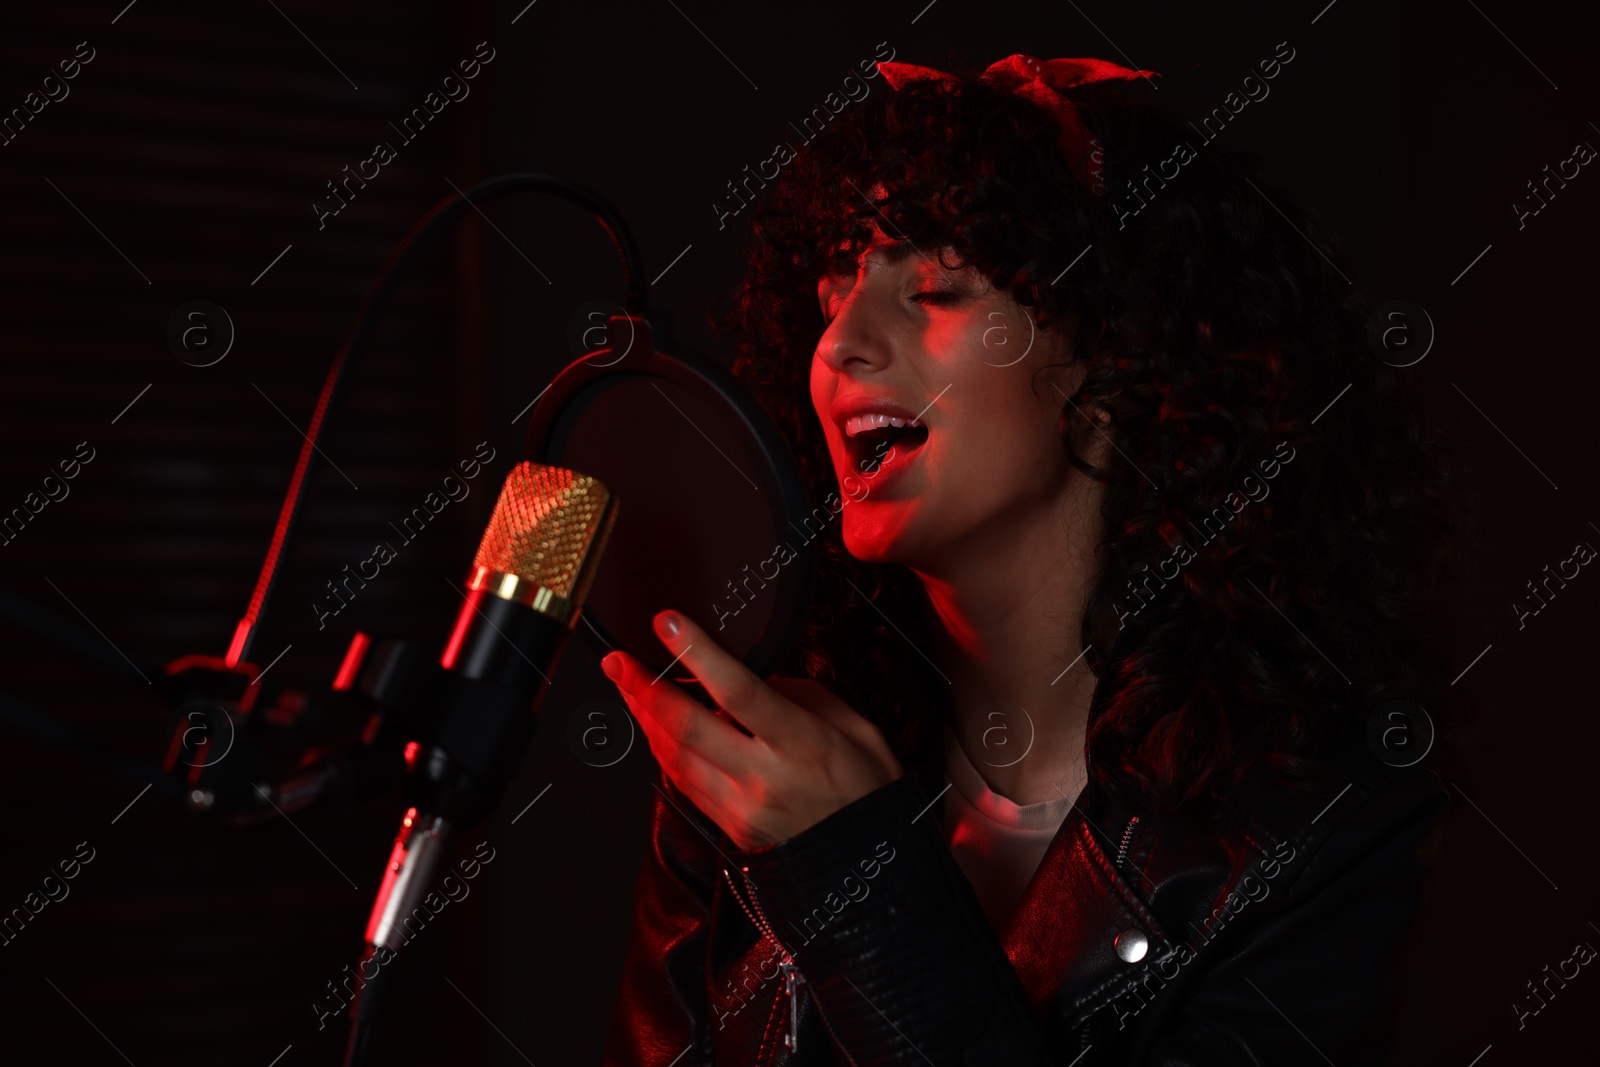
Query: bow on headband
1042, 81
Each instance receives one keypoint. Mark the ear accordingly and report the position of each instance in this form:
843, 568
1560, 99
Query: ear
1086, 430
1086, 437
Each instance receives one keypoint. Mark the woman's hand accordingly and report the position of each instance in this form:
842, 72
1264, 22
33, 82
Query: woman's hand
811, 754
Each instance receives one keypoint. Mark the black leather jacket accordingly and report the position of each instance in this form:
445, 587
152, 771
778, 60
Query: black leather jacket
1139, 941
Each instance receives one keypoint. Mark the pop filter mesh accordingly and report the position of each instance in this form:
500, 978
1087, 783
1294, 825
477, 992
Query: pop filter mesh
695, 530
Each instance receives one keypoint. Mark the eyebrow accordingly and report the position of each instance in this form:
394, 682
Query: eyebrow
893, 252
896, 251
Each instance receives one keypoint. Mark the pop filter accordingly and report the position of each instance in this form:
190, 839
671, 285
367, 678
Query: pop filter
712, 518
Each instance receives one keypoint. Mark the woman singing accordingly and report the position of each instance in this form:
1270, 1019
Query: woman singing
1120, 667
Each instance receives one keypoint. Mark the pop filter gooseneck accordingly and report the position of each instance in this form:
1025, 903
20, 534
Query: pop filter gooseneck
388, 282
714, 522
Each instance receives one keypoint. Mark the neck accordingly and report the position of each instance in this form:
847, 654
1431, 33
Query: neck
1006, 622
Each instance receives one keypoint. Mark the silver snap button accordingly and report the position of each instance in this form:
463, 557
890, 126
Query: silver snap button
1131, 945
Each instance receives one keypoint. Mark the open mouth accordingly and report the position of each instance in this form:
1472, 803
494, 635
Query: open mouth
870, 445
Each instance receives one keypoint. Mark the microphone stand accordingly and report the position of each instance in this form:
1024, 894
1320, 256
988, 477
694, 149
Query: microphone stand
435, 222
469, 759
456, 732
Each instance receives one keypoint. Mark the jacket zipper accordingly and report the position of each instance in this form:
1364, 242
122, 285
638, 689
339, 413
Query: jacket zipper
792, 979
1127, 838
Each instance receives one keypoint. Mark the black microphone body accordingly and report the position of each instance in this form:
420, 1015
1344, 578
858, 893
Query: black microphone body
500, 657
525, 594
507, 651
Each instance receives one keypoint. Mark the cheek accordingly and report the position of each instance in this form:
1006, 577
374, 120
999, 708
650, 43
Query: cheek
984, 459
994, 337
821, 385
1005, 441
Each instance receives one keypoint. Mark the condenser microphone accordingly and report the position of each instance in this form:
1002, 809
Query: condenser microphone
524, 595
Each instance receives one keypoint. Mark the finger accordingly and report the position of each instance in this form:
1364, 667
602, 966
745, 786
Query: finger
762, 710
700, 805
682, 722
822, 702
711, 788
706, 785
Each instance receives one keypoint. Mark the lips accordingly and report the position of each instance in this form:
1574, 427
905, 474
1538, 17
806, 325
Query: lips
879, 434
856, 425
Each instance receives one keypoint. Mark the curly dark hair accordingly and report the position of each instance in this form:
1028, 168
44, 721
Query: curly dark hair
1225, 344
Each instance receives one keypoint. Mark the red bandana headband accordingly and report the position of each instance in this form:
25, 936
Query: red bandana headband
1043, 81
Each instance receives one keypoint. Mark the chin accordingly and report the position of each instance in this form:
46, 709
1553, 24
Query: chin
877, 534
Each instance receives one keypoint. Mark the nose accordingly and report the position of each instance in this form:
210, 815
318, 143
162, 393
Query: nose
855, 341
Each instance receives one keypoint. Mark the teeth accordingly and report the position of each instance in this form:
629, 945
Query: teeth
857, 424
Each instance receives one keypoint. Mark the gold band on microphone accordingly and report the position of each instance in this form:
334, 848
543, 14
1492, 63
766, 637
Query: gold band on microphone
513, 587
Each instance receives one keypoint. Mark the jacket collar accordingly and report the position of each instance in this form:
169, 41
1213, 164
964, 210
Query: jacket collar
1078, 922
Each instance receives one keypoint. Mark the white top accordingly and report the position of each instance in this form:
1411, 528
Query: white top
997, 843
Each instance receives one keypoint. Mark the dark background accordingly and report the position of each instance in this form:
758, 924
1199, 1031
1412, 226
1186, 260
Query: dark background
186, 158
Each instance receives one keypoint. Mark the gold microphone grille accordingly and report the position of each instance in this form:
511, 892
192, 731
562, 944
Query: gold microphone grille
543, 528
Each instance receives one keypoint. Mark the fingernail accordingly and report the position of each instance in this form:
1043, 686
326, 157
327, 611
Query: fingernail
667, 624
612, 665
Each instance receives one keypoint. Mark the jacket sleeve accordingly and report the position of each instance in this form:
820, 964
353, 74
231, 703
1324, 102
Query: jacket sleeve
1320, 979
660, 1009
891, 941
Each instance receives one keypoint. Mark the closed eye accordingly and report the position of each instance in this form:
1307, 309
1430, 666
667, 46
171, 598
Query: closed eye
928, 297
